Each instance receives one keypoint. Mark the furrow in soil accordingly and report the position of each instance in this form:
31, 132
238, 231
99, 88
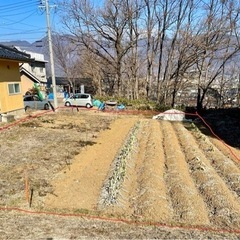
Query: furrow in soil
189, 207
224, 166
151, 200
143, 195
224, 208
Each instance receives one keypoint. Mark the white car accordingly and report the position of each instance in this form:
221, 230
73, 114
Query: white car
80, 99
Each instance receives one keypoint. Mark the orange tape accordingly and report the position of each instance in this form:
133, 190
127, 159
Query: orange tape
26, 188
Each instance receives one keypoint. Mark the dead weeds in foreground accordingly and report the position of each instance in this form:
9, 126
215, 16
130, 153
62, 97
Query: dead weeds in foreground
39, 148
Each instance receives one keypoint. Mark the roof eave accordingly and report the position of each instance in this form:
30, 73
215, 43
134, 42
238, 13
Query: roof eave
23, 60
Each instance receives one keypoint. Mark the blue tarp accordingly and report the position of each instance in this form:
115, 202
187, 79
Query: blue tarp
50, 96
96, 103
120, 107
101, 106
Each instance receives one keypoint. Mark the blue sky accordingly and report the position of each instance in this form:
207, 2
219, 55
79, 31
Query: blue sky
25, 20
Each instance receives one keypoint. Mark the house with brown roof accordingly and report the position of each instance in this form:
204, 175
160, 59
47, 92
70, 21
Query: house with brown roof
11, 95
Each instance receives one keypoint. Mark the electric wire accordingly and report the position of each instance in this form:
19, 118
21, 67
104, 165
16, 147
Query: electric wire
14, 6
21, 20
17, 8
15, 14
12, 14
25, 33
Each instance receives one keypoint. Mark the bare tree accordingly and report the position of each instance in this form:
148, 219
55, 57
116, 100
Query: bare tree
178, 57
67, 58
150, 18
132, 60
218, 44
91, 67
163, 13
124, 44
102, 31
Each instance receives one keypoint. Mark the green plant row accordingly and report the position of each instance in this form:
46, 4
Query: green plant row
114, 182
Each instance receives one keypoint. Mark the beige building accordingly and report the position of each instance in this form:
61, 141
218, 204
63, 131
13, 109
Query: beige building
11, 94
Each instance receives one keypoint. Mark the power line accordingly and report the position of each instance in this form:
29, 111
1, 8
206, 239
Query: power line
19, 21
34, 28
17, 7
13, 4
15, 14
25, 33
25, 24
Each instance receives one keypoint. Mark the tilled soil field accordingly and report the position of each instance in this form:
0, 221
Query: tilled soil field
76, 175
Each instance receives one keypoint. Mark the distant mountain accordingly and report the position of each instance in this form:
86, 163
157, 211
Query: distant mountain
16, 43
39, 46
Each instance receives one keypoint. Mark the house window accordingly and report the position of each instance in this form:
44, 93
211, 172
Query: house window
13, 88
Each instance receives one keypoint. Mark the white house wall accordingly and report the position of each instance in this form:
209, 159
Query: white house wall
36, 68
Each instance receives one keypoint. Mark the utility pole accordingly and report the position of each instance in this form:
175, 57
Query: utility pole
51, 52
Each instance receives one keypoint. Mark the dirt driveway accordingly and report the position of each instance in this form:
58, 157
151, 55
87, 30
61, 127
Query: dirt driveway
115, 166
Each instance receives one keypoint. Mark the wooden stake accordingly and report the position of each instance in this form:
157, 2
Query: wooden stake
26, 188
31, 197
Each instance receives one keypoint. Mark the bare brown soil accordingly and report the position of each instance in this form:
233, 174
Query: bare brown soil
170, 174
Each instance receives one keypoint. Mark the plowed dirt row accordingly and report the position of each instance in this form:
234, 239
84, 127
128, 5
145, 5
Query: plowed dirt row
79, 187
188, 204
173, 177
223, 205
